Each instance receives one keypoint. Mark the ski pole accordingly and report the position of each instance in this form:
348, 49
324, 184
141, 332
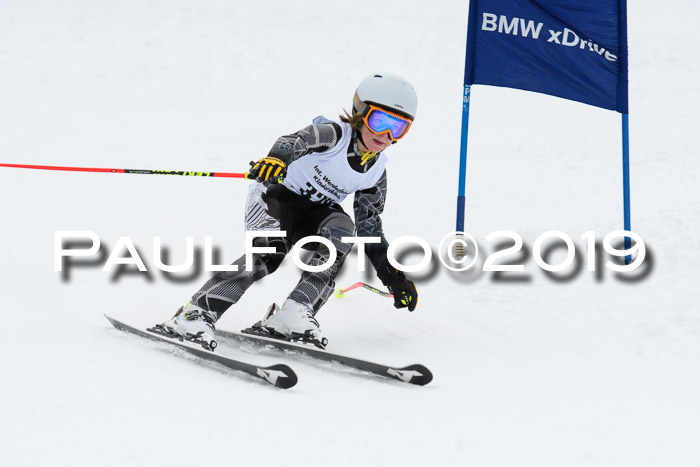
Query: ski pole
340, 293
128, 171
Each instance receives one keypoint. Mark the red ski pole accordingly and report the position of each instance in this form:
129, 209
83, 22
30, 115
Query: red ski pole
340, 293
128, 171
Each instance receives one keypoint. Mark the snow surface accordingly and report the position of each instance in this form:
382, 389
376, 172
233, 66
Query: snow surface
590, 370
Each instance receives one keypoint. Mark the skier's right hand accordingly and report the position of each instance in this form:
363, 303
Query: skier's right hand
268, 170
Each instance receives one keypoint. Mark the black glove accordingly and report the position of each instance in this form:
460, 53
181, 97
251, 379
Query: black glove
404, 291
268, 170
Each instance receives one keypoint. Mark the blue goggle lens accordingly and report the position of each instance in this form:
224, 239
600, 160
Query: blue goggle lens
379, 122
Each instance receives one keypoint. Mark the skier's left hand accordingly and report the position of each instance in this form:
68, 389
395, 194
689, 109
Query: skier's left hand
404, 291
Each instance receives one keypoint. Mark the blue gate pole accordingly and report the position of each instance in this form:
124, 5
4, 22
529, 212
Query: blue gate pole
626, 180
463, 160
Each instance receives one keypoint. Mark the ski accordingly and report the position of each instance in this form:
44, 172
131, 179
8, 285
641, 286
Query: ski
413, 374
280, 376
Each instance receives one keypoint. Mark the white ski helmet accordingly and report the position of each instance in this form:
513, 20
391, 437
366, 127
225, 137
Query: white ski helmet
387, 90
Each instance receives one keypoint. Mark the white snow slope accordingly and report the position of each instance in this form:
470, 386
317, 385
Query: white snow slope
587, 371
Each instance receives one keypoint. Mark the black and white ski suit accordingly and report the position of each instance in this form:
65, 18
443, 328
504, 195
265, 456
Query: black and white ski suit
326, 166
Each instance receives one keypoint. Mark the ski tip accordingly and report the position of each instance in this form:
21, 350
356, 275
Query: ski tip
426, 375
414, 374
280, 376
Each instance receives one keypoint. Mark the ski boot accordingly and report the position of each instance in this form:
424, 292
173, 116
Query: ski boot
192, 323
294, 322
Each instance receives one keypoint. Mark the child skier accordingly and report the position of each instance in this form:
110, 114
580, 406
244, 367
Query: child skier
300, 184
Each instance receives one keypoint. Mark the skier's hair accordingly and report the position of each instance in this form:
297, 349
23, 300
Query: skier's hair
355, 120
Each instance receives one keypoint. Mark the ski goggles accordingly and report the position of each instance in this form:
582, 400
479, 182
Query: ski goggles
381, 121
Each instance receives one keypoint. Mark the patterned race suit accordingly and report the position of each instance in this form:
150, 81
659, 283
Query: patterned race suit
326, 166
